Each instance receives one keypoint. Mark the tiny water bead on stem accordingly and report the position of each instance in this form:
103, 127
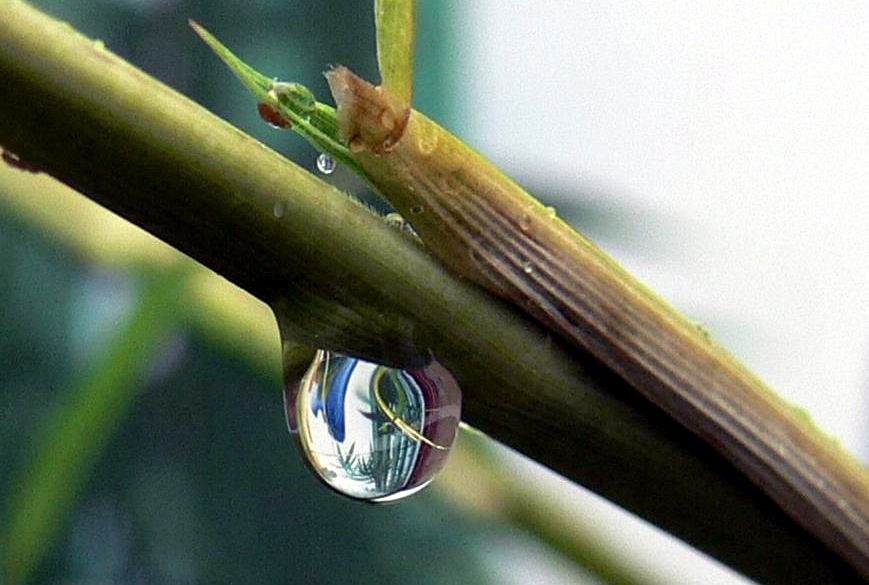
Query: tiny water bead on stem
372, 432
326, 164
292, 96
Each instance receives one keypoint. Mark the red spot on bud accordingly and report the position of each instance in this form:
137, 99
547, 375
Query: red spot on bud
273, 116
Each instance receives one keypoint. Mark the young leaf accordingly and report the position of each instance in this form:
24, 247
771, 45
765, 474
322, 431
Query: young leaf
396, 40
287, 105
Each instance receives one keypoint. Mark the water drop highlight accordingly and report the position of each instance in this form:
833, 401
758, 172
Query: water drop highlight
326, 164
369, 431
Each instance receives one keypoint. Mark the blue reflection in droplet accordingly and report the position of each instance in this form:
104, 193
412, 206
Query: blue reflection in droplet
373, 432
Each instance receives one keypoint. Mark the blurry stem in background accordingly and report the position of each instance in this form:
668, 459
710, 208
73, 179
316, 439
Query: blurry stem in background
477, 482
85, 116
73, 436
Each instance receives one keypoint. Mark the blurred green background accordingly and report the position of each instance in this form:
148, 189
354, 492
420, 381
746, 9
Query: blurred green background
143, 438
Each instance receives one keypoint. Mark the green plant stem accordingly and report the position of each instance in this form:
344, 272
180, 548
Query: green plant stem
169, 166
395, 21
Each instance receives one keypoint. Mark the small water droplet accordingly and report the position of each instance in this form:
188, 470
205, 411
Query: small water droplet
525, 221
527, 268
279, 209
416, 210
293, 96
550, 212
99, 44
326, 164
273, 117
14, 161
395, 220
372, 432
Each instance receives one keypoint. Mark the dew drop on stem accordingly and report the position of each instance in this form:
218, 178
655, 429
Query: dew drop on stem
326, 164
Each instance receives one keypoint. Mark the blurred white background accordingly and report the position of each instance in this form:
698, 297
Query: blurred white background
739, 132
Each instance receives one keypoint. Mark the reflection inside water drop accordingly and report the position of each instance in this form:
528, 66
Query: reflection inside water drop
373, 432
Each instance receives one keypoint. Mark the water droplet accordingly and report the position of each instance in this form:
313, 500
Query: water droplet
416, 210
14, 161
279, 209
326, 164
395, 220
372, 432
271, 115
525, 221
294, 96
527, 268
99, 44
550, 212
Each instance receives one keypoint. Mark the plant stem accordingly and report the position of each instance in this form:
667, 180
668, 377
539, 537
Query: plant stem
159, 160
395, 21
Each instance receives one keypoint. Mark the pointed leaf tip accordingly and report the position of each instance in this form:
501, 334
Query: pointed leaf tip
256, 82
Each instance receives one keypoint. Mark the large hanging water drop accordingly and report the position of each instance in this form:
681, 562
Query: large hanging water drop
372, 432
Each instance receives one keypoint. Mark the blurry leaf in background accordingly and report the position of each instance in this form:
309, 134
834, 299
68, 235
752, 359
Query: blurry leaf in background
75, 432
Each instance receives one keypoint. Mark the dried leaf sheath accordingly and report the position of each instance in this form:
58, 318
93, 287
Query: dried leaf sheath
486, 228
